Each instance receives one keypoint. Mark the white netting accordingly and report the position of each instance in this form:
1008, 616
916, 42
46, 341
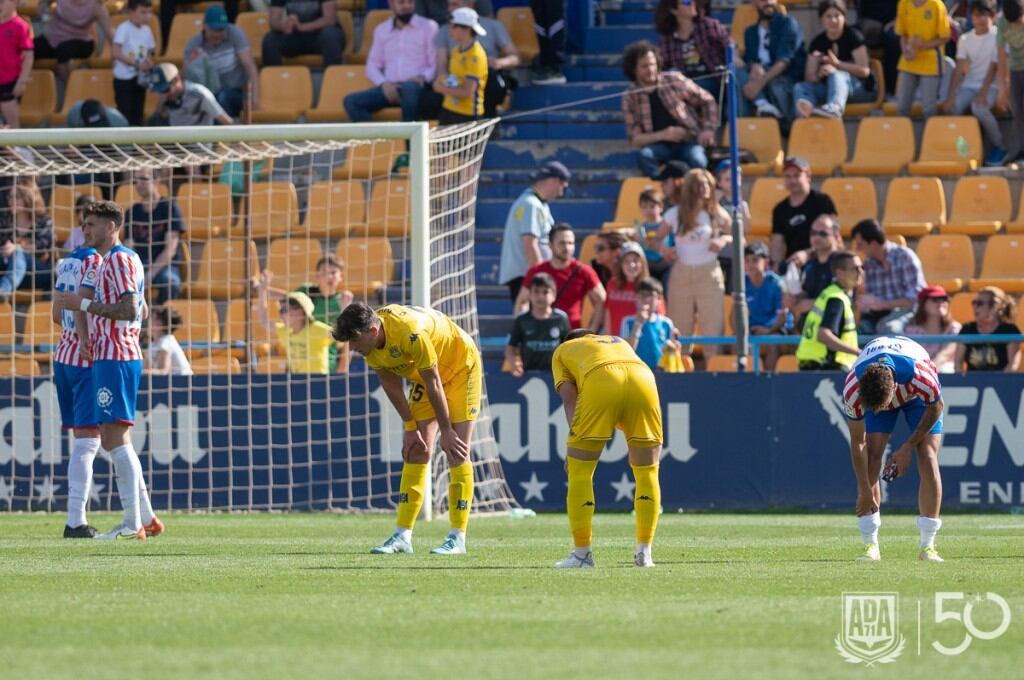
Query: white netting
246, 432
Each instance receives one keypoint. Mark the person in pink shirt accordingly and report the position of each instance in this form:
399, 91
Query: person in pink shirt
15, 61
630, 266
402, 61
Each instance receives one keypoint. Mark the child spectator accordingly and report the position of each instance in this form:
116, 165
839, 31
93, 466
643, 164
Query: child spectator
537, 332
993, 315
629, 268
165, 356
463, 87
133, 51
76, 239
971, 87
15, 61
923, 27
933, 318
306, 341
329, 298
651, 206
1010, 44
649, 332
764, 298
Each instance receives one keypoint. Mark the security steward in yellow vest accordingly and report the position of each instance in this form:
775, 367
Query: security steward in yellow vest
829, 339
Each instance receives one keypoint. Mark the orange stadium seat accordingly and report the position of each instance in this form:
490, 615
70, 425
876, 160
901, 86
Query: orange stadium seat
86, 83
951, 146
627, 207
884, 146
587, 248
787, 363
234, 329
521, 26
40, 330
389, 213
255, 25
1017, 225
854, 198
721, 363
217, 364
222, 269
62, 206
7, 327
819, 141
339, 82
947, 259
186, 25
761, 137
286, 92
981, 206
40, 99
293, 261
368, 263
206, 207
371, 21
866, 108
914, 206
369, 161
335, 208
199, 322
764, 196
960, 307
18, 366
273, 210
1002, 264
125, 194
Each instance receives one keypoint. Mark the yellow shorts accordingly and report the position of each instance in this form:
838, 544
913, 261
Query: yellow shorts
461, 392
622, 396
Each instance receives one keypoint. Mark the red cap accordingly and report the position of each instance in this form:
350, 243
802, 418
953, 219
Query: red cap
930, 293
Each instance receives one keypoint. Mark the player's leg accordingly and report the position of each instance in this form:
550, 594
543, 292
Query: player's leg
412, 488
463, 398
929, 494
75, 398
116, 384
641, 422
150, 522
877, 428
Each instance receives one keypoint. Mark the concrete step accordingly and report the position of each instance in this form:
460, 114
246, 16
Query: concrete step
586, 213
539, 96
616, 38
519, 155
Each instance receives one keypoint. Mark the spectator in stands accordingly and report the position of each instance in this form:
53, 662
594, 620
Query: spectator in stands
169, 7
893, 278
438, 10
76, 239
91, 113
933, 318
463, 86
765, 313
401, 62
303, 27
723, 189
182, 102
793, 216
529, 222
838, 67
220, 58
502, 55
307, 342
630, 268
606, 254
648, 331
133, 49
876, 19
994, 313
154, 227
164, 355
549, 21
692, 42
923, 27
574, 280
667, 115
774, 54
696, 285
16, 60
829, 338
815, 274
973, 85
1010, 44
329, 298
70, 33
12, 265
537, 332
33, 232
652, 208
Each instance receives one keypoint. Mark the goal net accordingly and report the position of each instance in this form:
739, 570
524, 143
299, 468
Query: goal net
217, 214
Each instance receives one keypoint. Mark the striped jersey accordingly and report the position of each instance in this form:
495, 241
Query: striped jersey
912, 367
120, 273
76, 271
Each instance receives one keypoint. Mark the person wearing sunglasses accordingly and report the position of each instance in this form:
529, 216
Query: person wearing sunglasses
934, 318
994, 312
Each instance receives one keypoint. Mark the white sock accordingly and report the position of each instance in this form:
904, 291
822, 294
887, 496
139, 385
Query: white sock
83, 453
129, 478
868, 525
581, 553
145, 507
406, 534
459, 535
644, 548
929, 527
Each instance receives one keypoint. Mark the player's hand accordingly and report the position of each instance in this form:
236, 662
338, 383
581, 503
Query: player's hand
865, 502
900, 461
85, 351
67, 300
346, 297
453, 445
517, 370
413, 444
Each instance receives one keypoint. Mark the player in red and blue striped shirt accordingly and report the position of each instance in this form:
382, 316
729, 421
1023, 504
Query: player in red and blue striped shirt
892, 376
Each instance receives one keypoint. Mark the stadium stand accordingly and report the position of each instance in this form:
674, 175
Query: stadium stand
293, 261
762, 137
286, 93
819, 141
981, 206
951, 146
207, 209
947, 259
1003, 264
855, 199
884, 146
914, 206
335, 208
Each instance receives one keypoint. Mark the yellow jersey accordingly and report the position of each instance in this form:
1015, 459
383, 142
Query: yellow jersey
468, 64
416, 339
928, 22
309, 349
573, 360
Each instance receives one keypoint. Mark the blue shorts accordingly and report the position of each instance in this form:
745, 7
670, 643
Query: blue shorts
74, 395
885, 421
116, 385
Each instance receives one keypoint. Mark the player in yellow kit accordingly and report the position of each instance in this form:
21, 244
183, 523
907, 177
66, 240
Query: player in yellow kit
442, 364
604, 385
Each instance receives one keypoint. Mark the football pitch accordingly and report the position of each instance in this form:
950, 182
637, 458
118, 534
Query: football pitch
297, 596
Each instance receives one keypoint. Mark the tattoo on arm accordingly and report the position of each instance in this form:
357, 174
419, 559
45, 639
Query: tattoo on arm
122, 310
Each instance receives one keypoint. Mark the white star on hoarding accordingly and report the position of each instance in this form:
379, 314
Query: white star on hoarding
6, 491
94, 492
623, 488
533, 488
45, 490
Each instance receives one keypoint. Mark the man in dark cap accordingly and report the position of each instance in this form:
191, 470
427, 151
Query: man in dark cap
93, 114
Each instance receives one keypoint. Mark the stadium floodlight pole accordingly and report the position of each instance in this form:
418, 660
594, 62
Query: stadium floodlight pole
739, 294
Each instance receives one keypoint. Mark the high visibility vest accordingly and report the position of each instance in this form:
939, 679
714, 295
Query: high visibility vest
812, 349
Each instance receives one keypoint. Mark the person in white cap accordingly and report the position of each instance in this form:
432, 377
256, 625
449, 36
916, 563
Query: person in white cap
463, 88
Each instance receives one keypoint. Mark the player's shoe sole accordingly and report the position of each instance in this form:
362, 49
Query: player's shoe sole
83, 531
930, 555
154, 528
394, 544
451, 546
642, 560
574, 562
871, 554
122, 533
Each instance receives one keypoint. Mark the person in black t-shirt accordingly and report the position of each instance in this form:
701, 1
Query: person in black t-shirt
876, 19
303, 27
154, 227
816, 270
993, 315
793, 216
536, 333
838, 67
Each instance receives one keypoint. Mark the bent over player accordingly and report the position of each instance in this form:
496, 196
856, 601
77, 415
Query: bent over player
443, 366
604, 385
894, 376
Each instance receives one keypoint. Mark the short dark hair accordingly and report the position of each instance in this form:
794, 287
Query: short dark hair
331, 259
105, 210
841, 260
877, 385
615, 239
168, 316
559, 228
665, 19
84, 200
578, 333
357, 318
543, 280
826, 5
634, 53
651, 196
984, 7
135, 4
869, 230
650, 285
1013, 10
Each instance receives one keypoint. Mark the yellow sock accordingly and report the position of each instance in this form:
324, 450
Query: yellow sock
460, 495
646, 501
579, 501
410, 493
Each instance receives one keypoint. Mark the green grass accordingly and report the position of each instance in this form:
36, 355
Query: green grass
275, 596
